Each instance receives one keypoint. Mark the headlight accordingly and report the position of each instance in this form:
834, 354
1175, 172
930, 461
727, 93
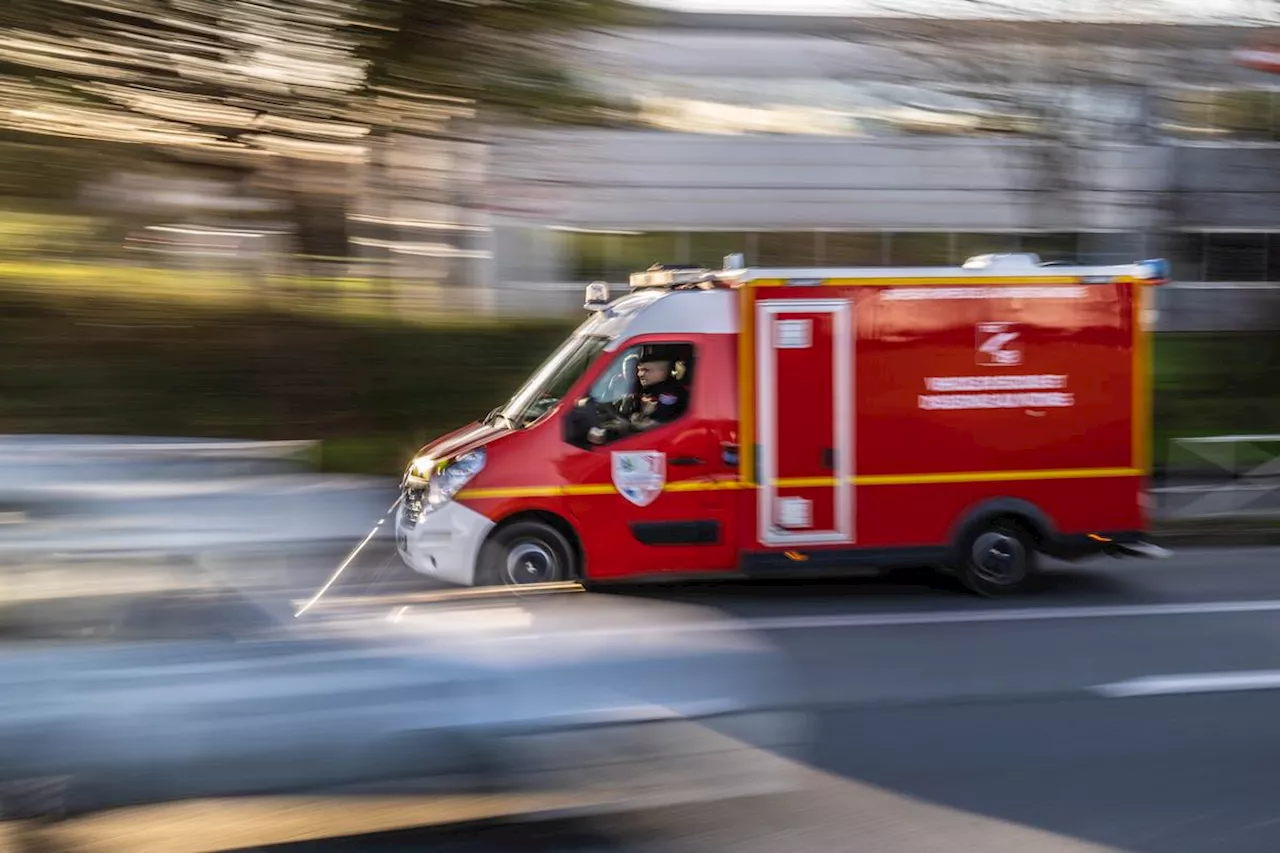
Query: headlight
441, 481
450, 479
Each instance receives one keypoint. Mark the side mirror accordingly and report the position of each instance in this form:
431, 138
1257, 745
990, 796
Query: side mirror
577, 421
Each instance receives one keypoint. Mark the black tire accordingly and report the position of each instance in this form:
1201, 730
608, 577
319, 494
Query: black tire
526, 552
996, 558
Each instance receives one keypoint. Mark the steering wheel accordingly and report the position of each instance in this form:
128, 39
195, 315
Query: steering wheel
606, 411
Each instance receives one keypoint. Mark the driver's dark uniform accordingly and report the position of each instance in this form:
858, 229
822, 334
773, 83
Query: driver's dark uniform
645, 408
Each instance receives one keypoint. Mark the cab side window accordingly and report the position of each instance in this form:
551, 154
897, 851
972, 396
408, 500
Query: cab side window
646, 386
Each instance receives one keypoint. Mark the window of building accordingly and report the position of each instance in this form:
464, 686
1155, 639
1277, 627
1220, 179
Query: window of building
1111, 247
708, 248
844, 249
1186, 254
1246, 114
922, 249
967, 245
785, 249
1059, 247
1273, 257
635, 252
1235, 257
588, 255
1211, 113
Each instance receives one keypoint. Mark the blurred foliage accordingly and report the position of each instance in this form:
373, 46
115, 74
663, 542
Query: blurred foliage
285, 97
94, 364
304, 79
374, 389
1216, 384
349, 297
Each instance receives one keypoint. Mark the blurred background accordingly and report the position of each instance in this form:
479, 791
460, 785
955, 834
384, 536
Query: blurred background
255, 253
363, 222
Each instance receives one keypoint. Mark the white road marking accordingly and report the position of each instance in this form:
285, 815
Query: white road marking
733, 624
1170, 685
1024, 614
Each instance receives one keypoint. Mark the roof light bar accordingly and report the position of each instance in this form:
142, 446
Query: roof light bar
1156, 269
668, 275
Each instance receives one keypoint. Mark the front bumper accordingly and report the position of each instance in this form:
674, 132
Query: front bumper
443, 544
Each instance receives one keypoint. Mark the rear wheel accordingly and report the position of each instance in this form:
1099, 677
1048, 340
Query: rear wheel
526, 552
996, 558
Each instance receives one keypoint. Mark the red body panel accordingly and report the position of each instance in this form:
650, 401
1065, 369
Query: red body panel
1074, 353
526, 467
902, 344
913, 388
606, 520
918, 515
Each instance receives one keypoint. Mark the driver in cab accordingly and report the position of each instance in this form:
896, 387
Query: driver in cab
659, 399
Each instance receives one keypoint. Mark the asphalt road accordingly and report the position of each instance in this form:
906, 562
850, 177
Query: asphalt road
1123, 705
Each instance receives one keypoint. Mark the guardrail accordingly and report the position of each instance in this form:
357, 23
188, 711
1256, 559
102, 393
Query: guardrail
1218, 476
34, 448
35, 460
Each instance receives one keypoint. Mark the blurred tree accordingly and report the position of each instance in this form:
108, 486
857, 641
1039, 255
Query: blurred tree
1077, 81
290, 96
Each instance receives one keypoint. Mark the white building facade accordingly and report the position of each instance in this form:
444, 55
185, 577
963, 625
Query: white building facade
836, 141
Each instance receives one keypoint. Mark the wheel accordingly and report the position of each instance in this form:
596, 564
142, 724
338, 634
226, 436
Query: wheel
996, 558
526, 552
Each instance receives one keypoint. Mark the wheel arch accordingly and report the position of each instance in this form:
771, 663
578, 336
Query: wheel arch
1031, 518
552, 519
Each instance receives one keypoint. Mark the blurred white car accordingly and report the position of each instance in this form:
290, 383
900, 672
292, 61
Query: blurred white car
630, 703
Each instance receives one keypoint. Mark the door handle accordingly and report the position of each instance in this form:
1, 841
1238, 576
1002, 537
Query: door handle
687, 460
829, 459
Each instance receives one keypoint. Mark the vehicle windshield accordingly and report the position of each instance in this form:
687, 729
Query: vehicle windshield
552, 380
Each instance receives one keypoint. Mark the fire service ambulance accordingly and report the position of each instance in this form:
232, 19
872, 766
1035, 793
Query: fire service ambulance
792, 422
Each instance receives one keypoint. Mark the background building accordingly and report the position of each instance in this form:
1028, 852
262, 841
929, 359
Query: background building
853, 141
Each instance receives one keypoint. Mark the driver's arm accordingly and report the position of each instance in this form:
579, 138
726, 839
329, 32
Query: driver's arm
617, 421
611, 431
670, 404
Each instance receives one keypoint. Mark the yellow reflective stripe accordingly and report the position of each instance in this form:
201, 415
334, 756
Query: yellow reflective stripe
1141, 389
804, 482
959, 477
996, 476
702, 486
815, 482
537, 491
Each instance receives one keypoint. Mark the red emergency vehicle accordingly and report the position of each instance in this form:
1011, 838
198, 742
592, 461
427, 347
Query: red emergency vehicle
834, 420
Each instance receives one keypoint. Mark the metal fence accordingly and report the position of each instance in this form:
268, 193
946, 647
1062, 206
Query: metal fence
1221, 476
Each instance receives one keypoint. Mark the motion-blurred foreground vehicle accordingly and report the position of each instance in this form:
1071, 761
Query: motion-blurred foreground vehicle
781, 421
623, 704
